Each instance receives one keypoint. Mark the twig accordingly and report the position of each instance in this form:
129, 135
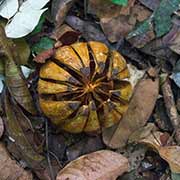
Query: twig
171, 108
56, 158
48, 154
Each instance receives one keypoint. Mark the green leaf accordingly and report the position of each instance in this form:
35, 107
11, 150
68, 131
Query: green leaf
162, 16
38, 28
141, 29
120, 2
175, 176
44, 44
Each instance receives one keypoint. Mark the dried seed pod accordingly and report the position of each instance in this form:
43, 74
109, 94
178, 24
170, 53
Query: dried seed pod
82, 88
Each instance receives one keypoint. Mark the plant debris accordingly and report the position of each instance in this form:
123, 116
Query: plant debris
80, 77
102, 165
137, 114
9, 168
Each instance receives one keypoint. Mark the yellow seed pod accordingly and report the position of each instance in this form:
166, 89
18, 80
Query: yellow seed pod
84, 87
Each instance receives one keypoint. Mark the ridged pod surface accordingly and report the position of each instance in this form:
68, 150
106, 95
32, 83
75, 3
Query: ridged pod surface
84, 87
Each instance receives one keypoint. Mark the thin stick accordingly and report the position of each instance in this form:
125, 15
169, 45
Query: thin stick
48, 154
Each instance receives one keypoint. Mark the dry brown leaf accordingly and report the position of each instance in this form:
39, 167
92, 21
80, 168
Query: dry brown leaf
153, 140
9, 169
117, 21
60, 9
64, 30
125, 10
1, 127
100, 165
142, 133
172, 155
140, 109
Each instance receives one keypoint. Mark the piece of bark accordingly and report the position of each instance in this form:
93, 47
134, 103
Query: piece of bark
171, 108
100, 165
140, 108
9, 169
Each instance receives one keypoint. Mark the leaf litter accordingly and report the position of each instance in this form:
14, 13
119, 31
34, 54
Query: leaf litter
146, 33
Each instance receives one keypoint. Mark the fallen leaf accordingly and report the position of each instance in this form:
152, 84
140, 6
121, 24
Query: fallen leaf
86, 145
20, 49
39, 26
176, 78
116, 28
8, 8
142, 133
104, 165
65, 34
59, 10
151, 4
101, 7
144, 27
1, 127
120, 2
157, 49
135, 74
153, 140
89, 30
26, 71
26, 19
45, 43
176, 73
17, 123
139, 110
43, 56
116, 21
162, 16
13, 76
172, 39
175, 176
10, 169
1, 82
23, 50
126, 9
143, 33
171, 154
135, 154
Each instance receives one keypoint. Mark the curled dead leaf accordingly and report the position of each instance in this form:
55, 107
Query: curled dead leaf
172, 155
103, 165
153, 140
9, 169
139, 110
